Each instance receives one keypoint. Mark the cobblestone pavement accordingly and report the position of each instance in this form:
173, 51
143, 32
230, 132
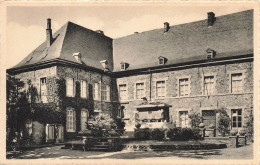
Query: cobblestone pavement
56, 152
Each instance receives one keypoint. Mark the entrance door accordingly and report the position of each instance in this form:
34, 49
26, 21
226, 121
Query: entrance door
209, 117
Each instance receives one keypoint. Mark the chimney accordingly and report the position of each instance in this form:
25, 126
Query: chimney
166, 27
48, 33
100, 32
104, 63
211, 18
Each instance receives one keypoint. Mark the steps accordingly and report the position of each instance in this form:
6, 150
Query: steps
78, 145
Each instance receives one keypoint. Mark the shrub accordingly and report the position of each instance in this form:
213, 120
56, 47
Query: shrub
223, 122
186, 134
142, 134
157, 134
196, 133
96, 132
233, 132
195, 119
242, 132
174, 133
250, 126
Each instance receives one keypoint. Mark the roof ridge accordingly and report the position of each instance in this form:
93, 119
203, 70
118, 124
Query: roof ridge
183, 24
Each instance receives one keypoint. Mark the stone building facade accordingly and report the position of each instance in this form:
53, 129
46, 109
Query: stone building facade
156, 78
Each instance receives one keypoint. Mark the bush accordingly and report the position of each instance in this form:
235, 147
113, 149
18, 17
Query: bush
142, 134
195, 120
233, 132
223, 122
186, 134
96, 132
174, 133
250, 126
242, 132
157, 134
196, 133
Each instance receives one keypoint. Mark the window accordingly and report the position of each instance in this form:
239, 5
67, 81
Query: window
105, 92
209, 85
140, 92
50, 132
84, 119
43, 90
161, 60
236, 118
70, 87
120, 112
71, 120
184, 87
96, 91
83, 91
122, 92
236, 83
123, 66
184, 119
160, 89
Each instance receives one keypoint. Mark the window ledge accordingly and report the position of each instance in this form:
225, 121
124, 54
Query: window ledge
124, 102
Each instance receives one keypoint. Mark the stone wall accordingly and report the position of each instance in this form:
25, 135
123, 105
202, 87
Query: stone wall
197, 100
88, 103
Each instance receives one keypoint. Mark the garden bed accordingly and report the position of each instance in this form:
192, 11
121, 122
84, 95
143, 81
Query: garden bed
151, 145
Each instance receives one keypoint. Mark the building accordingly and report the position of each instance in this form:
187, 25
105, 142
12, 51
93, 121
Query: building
156, 77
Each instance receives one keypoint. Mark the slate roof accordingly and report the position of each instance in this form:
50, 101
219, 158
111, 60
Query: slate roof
69, 39
230, 35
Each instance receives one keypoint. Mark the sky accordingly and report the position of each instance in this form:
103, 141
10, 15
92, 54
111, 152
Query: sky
26, 25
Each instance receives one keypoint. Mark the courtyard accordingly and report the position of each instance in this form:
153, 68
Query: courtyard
56, 152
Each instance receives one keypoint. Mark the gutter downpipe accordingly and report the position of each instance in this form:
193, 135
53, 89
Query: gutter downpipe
150, 84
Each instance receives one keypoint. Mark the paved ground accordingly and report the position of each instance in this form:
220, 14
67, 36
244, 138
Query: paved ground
57, 152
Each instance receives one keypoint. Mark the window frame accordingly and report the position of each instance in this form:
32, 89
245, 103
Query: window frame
135, 90
87, 117
73, 87
186, 120
96, 92
213, 85
126, 91
82, 89
178, 110
241, 115
41, 90
105, 90
240, 79
70, 120
189, 85
156, 89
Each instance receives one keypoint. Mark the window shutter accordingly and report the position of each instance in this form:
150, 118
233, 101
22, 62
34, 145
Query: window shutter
74, 120
108, 93
67, 120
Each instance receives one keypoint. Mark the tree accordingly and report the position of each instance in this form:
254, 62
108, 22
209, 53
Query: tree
19, 109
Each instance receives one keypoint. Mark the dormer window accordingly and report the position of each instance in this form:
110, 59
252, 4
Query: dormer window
210, 54
161, 60
123, 66
77, 56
